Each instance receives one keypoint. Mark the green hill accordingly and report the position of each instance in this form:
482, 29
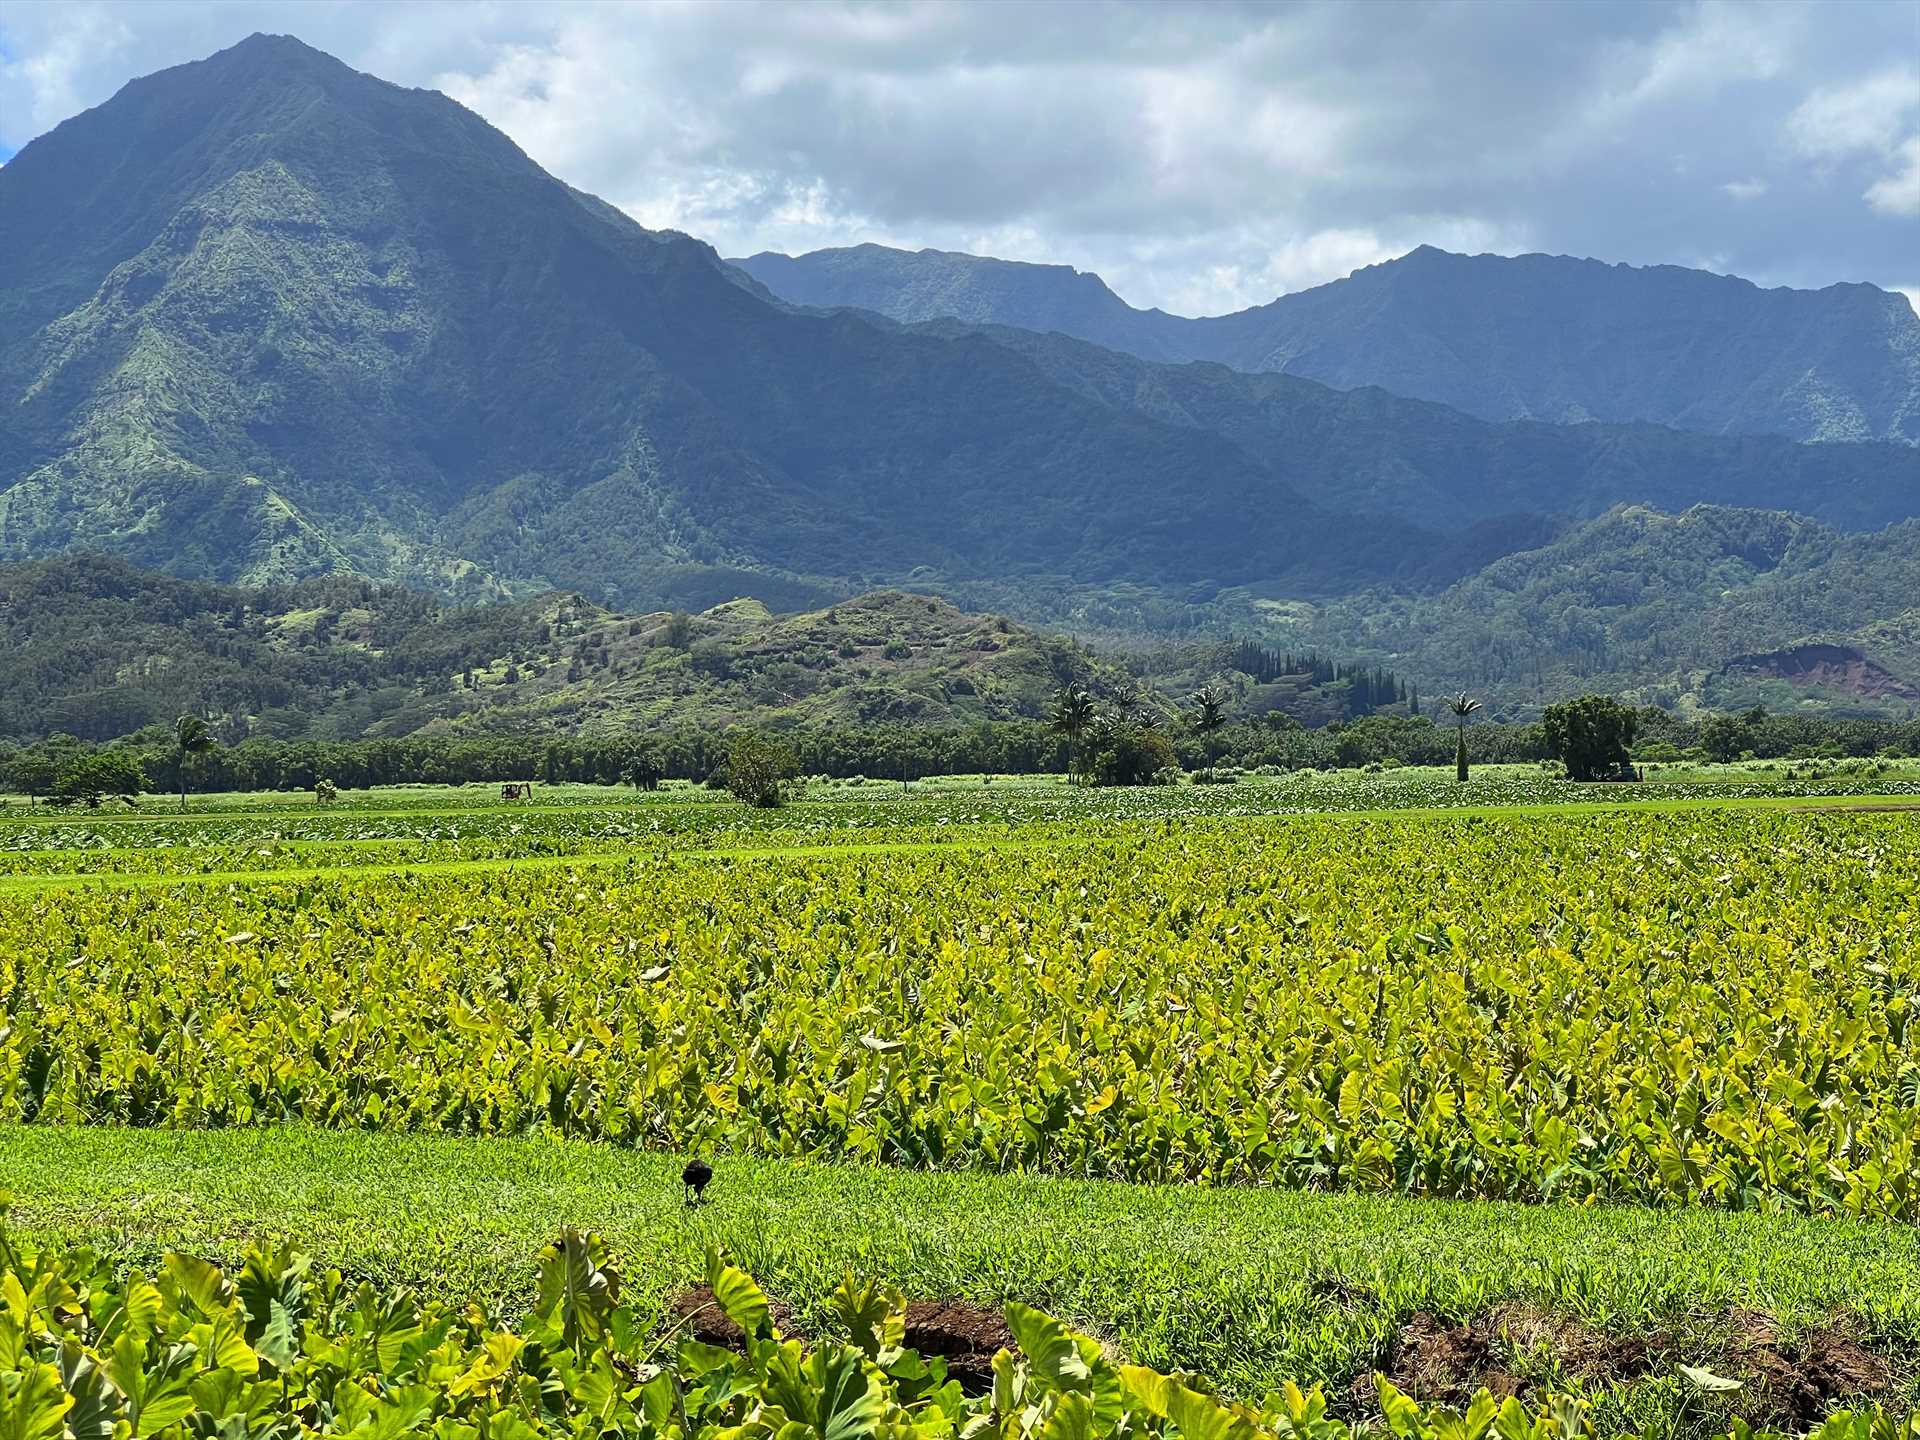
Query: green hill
1713, 606
98, 648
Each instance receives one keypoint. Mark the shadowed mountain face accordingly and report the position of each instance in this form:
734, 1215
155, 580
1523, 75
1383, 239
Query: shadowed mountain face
1536, 337
266, 317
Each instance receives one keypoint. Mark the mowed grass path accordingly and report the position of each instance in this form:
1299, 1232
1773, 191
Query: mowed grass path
1249, 1287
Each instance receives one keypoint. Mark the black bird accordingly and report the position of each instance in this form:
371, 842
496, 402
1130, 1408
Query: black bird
695, 1178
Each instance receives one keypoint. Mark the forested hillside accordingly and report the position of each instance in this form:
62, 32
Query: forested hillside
1705, 607
98, 649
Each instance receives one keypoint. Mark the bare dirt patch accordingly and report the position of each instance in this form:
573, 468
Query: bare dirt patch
1795, 1381
1825, 667
700, 1316
1436, 1361
964, 1335
1805, 1378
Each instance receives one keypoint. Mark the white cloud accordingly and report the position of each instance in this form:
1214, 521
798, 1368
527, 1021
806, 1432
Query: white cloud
1899, 193
1867, 114
1912, 292
1868, 122
1199, 156
1713, 45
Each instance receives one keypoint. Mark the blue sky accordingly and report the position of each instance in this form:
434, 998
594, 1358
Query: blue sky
1200, 157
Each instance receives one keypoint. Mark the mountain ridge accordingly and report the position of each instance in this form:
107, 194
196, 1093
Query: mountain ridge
1476, 332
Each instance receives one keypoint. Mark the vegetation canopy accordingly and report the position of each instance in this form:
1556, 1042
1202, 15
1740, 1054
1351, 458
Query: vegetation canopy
1592, 736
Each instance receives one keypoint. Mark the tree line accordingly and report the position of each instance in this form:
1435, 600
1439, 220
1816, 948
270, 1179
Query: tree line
1106, 745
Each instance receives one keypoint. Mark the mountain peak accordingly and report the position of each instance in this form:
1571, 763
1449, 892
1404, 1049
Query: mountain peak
282, 48
236, 74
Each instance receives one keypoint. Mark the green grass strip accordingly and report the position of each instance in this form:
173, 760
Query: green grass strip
1247, 1286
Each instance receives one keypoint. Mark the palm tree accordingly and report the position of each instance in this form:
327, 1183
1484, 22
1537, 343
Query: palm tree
1072, 715
1209, 708
1462, 706
191, 738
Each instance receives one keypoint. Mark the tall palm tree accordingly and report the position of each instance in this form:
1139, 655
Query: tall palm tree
1462, 707
191, 738
1072, 716
1209, 708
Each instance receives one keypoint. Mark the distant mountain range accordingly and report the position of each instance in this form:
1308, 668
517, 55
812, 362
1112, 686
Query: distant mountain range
1535, 337
264, 318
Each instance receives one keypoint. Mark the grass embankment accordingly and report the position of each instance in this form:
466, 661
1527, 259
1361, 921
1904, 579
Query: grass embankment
1248, 1287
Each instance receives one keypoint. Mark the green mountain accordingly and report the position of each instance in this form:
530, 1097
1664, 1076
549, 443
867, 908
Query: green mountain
1713, 607
101, 649
266, 317
1390, 456
1534, 337
269, 317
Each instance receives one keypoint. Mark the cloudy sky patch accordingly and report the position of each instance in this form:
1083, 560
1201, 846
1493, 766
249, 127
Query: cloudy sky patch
1200, 157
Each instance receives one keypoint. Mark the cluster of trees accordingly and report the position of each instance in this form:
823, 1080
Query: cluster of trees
1368, 688
1118, 742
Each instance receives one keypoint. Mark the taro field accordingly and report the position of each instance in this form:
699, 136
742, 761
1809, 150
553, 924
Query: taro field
1517, 1107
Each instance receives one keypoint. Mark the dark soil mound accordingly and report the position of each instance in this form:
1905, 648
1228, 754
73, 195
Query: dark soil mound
963, 1334
702, 1319
1805, 1379
1434, 1361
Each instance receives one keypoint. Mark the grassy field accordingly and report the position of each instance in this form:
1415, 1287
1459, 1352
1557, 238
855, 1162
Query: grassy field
1247, 1286
1337, 1000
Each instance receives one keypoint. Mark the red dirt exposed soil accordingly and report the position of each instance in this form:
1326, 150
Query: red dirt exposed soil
1826, 667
